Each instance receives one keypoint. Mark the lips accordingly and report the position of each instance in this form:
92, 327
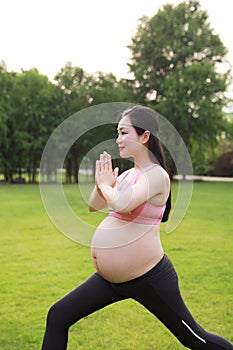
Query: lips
120, 148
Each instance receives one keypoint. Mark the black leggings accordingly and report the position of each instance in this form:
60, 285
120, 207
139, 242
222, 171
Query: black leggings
157, 290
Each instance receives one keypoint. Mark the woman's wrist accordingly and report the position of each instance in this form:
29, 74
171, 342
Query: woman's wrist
103, 187
99, 191
110, 194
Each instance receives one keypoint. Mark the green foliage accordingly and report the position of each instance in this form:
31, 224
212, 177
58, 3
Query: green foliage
176, 54
39, 265
223, 165
32, 107
6, 86
82, 90
31, 114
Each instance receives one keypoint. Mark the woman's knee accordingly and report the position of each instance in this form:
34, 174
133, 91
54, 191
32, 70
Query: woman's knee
56, 317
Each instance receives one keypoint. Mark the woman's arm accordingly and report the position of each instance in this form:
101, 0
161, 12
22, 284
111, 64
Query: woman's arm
152, 183
96, 201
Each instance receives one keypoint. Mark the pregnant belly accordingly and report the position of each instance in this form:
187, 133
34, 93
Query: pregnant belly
126, 251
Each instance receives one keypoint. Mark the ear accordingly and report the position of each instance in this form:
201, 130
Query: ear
145, 136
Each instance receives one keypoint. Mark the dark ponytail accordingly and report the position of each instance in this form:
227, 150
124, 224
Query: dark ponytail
156, 150
142, 119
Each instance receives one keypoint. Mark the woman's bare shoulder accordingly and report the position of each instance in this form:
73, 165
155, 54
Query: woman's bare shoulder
159, 172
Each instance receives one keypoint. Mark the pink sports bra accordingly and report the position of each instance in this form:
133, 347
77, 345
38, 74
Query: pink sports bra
145, 213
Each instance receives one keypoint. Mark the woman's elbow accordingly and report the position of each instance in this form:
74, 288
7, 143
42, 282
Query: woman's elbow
91, 209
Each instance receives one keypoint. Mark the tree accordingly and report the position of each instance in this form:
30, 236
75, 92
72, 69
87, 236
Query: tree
223, 166
82, 90
176, 55
31, 113
222, 163
6, 85
106, 88
75, 84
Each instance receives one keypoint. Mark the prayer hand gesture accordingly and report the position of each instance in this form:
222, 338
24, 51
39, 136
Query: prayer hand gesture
104, 174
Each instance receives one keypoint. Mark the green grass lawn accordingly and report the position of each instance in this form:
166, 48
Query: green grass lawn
39, 265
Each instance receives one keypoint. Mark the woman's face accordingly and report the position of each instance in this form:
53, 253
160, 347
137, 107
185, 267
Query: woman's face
128, 141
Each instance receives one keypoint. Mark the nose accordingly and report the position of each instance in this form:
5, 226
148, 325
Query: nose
118, 139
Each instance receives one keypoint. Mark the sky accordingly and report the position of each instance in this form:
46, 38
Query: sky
92, 34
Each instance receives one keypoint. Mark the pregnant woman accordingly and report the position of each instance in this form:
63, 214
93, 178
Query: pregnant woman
126, 249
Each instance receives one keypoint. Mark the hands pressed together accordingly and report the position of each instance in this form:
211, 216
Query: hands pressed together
104, 174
